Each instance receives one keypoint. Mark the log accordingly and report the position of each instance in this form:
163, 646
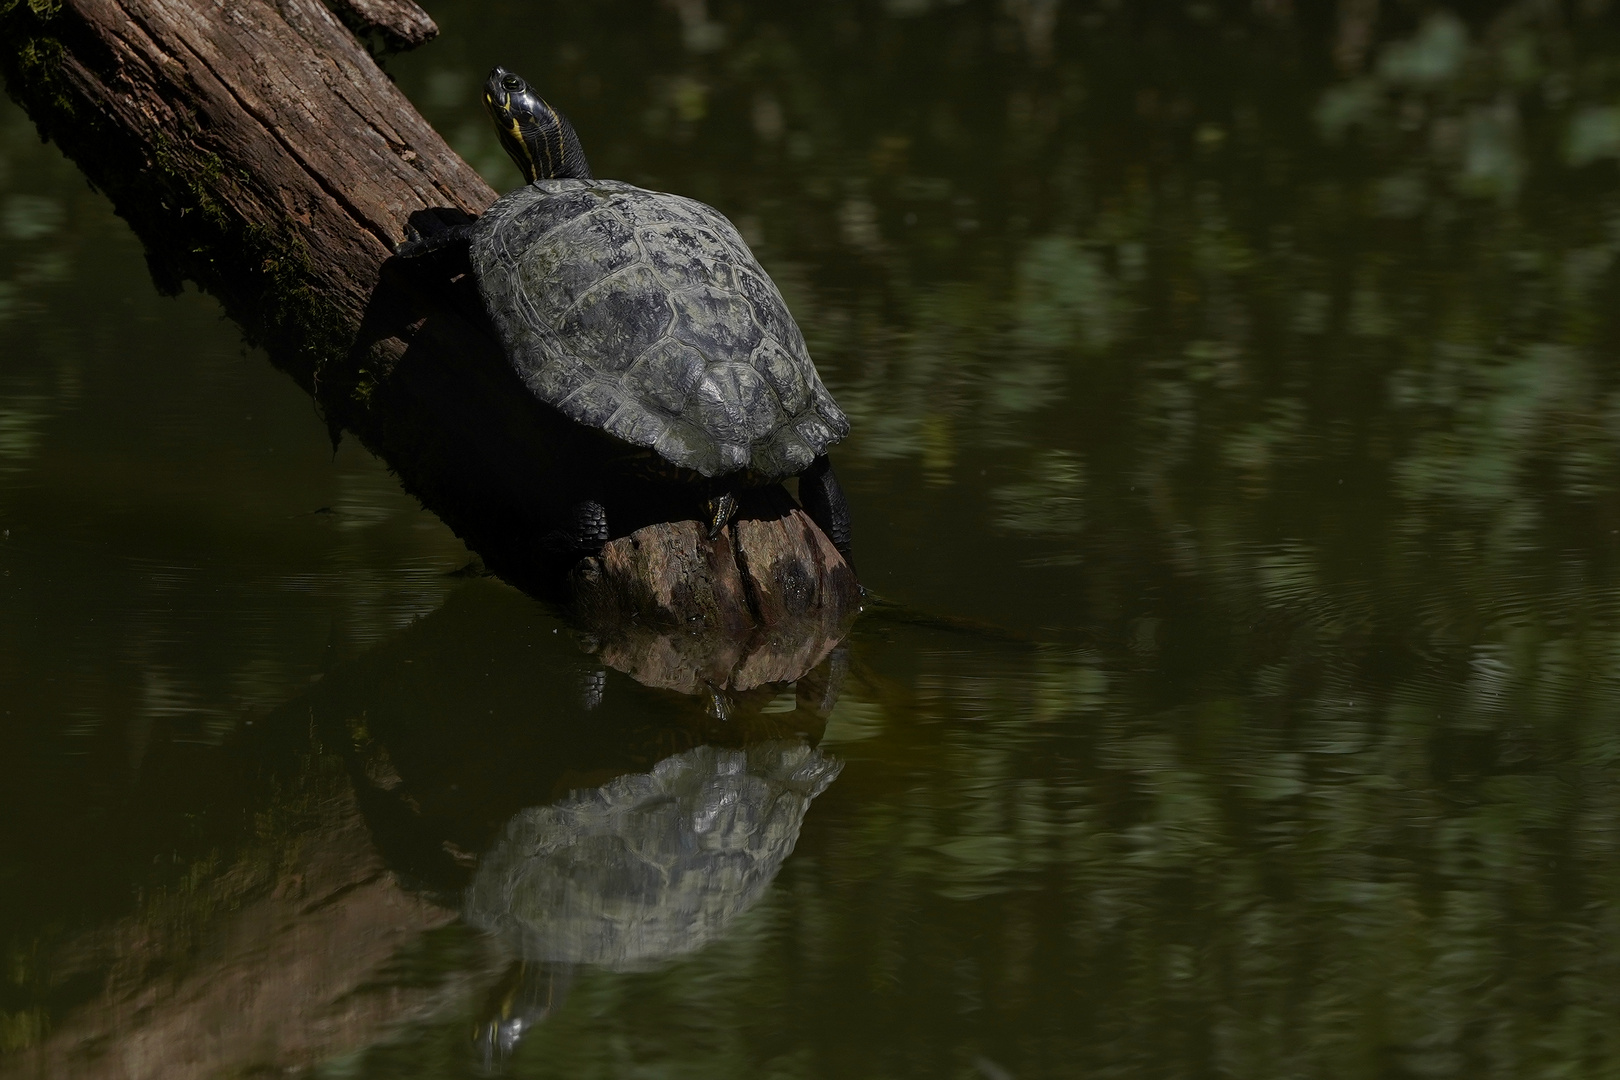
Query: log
396, 25
796, 624
258, 150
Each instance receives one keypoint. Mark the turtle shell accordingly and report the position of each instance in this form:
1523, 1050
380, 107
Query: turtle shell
645, 315
650, 865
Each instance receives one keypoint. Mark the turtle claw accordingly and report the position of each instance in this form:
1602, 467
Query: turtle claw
439, 248
412, 242
722, 508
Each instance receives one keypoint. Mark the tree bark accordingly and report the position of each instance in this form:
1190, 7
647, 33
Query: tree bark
398, 24
258, 150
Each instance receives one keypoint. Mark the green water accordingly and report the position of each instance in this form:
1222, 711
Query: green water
1236, 448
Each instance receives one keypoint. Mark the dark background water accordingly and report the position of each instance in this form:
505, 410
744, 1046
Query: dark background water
1240, 381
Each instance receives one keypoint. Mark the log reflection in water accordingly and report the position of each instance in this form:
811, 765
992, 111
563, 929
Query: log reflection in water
327, 923
619, 832
277, 964
693, 664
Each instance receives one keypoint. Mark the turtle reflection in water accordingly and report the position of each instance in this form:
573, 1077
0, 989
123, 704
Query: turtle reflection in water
645, 316
648, 867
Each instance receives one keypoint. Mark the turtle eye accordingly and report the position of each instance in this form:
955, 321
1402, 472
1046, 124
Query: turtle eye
512, 82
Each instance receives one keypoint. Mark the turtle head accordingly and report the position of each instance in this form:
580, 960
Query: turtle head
538, 137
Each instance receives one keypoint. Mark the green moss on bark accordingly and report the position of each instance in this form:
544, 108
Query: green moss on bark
32, 60
180, 204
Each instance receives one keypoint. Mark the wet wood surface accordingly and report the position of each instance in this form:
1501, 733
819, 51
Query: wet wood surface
259, 151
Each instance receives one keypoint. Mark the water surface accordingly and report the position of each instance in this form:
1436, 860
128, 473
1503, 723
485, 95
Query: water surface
1236, 456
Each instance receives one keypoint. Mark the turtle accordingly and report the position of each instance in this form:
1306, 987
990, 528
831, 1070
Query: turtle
652, 865
635, 873
645, 316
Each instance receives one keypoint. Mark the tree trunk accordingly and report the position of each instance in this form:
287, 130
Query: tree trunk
258, 150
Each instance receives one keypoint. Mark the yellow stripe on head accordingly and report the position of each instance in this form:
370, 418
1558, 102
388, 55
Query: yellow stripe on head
553, 140
538, 138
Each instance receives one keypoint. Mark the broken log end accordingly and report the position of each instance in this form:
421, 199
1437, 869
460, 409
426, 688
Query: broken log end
764, 601
400, 24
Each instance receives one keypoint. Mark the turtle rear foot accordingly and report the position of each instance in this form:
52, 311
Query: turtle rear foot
722, 508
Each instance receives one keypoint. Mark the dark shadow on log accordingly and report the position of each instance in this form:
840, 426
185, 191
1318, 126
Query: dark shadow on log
467, 437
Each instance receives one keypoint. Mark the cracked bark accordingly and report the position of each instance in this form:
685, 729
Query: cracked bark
258, 150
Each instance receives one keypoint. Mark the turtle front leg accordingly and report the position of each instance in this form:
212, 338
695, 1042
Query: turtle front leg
823, 499
589, 528
582, 527
448, 252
